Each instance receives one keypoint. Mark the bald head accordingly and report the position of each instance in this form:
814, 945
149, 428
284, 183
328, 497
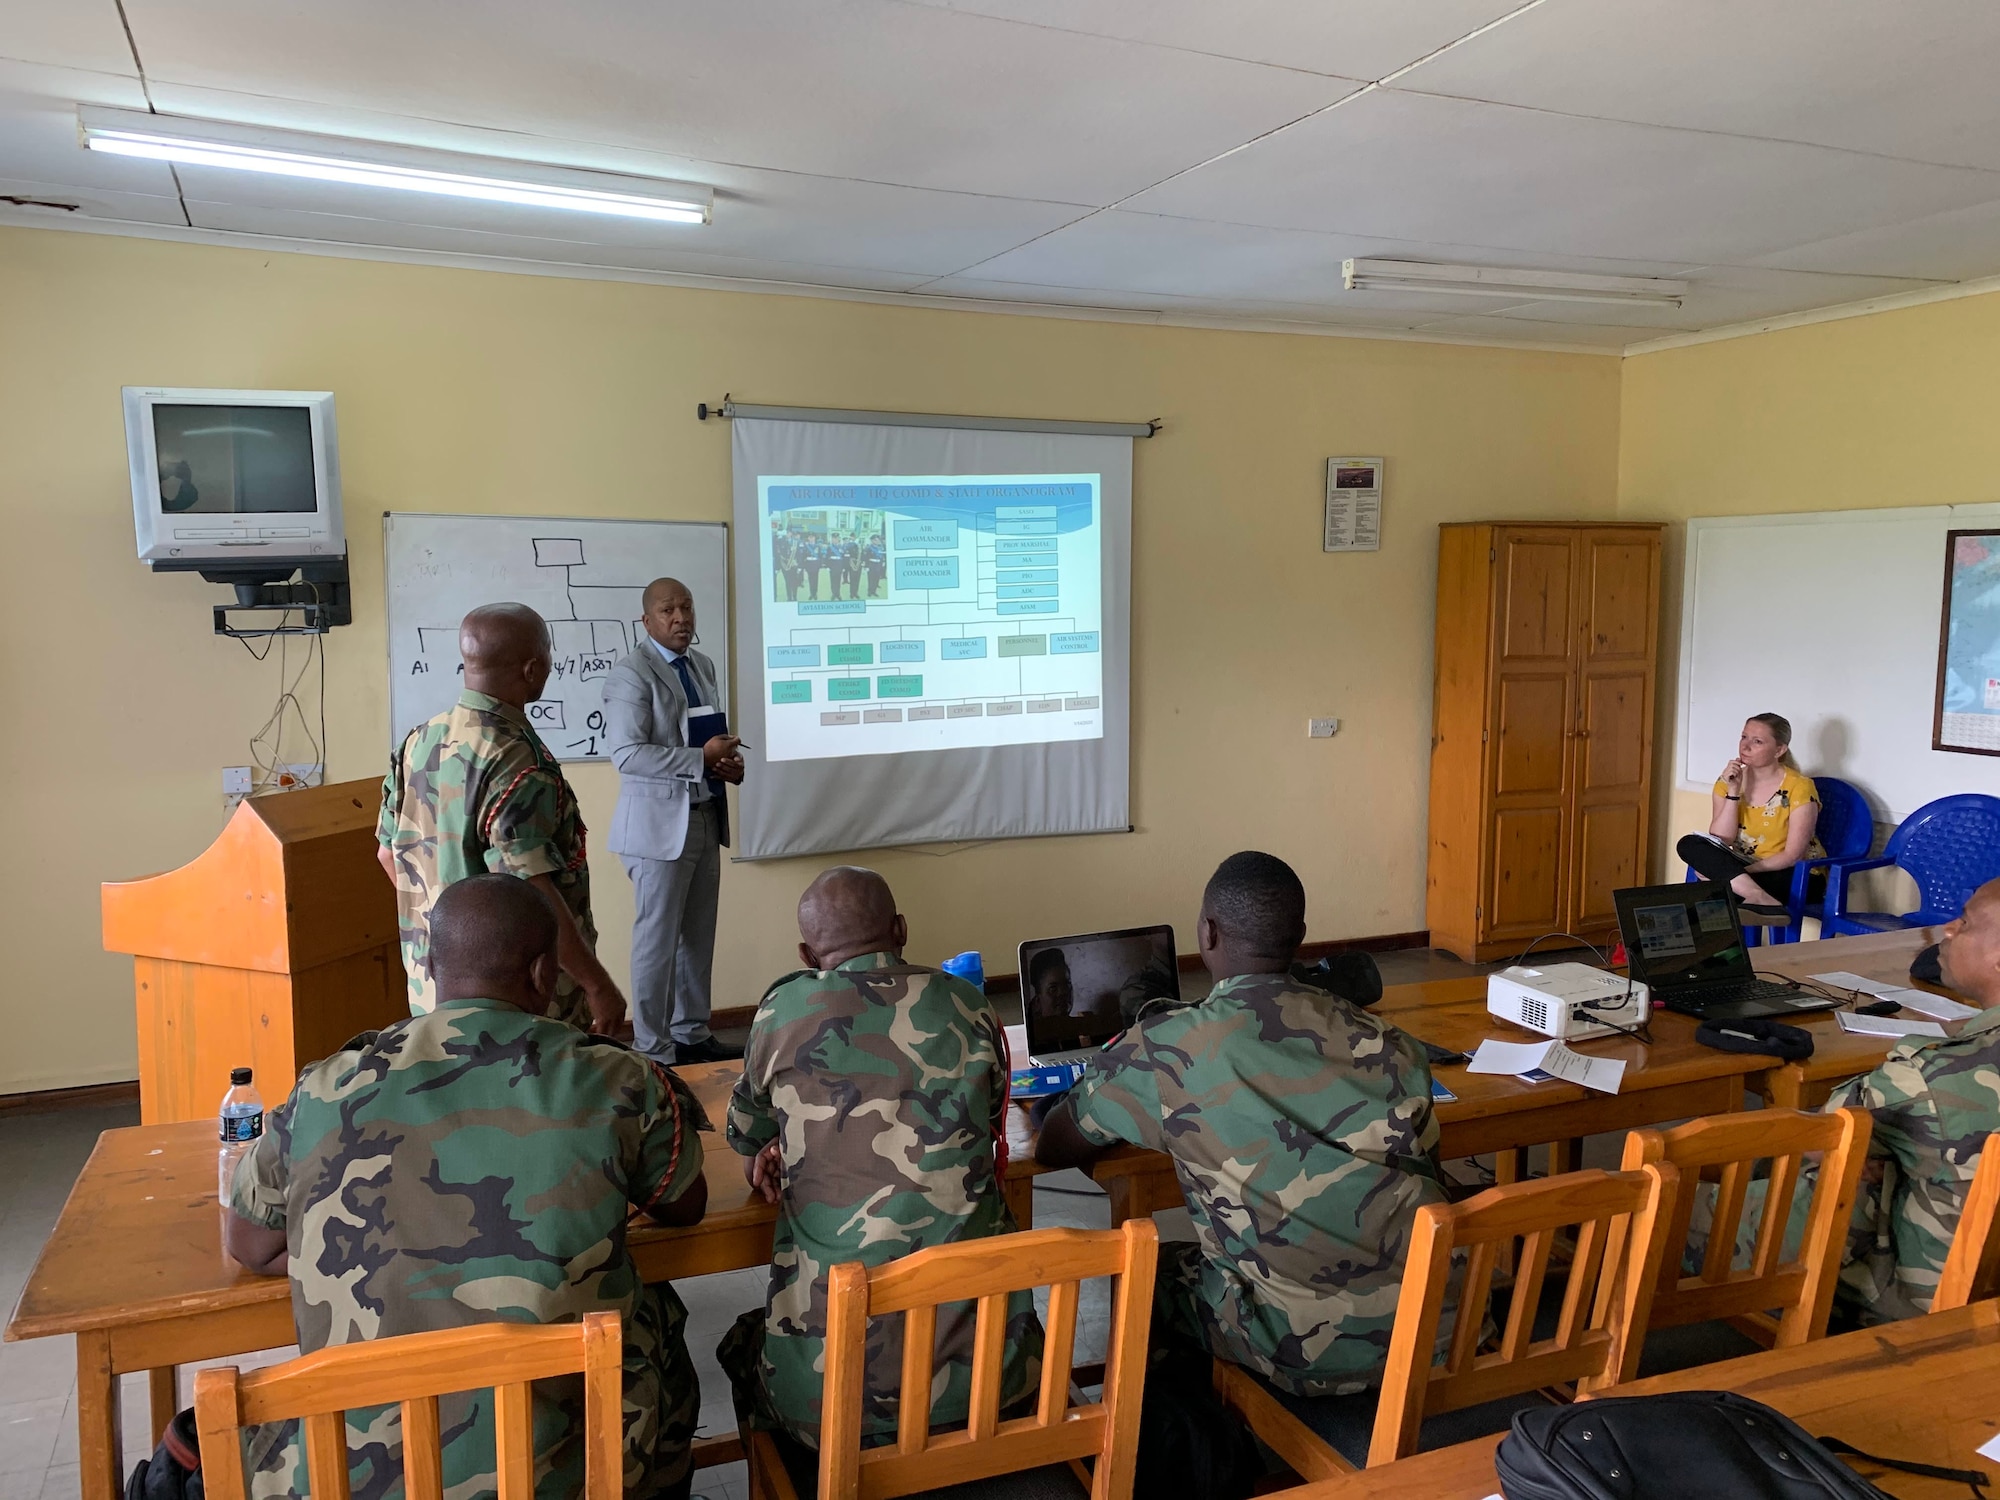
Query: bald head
1969, 954
845, 913
493, 937
506, 651
669, 613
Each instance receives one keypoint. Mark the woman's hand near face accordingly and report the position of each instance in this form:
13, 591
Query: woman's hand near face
1732, 775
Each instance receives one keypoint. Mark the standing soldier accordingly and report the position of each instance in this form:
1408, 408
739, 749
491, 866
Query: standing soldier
850, 566
874, 1094
877, 560
1302, 1132
475, 790
812, 554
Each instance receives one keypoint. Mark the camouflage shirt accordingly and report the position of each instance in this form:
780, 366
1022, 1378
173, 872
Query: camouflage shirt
1934, 1104
1302, 1133
472, 791
887, 1083
476, 1164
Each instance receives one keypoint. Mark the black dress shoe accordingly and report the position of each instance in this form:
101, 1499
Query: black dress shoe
708, 1049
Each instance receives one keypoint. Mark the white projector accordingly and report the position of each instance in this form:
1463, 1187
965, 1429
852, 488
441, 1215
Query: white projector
1566, 1000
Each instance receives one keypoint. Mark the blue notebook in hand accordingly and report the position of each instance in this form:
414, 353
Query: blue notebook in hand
704, 724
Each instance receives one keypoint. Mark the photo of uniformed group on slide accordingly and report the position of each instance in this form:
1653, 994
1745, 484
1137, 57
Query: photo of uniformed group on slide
828, 554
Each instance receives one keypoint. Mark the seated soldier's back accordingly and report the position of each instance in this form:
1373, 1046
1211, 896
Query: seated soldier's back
886, 1085
1302, 1132
474, 1164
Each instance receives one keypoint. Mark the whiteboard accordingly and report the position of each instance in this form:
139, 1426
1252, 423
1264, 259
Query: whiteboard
584, 577
1830, 619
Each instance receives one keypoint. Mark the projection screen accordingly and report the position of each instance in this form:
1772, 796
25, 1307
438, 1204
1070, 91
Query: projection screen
932, 634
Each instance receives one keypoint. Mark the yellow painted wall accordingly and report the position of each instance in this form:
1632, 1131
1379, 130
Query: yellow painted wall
1865, 413
474, 391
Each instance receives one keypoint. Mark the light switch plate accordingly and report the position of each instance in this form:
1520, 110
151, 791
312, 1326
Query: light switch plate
1321, 729
235, 781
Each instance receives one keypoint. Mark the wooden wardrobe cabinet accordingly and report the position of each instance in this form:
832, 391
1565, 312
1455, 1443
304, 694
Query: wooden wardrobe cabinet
1542, 730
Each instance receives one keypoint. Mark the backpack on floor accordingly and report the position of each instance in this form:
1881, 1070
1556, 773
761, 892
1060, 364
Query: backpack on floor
174, 1470
1680, 1444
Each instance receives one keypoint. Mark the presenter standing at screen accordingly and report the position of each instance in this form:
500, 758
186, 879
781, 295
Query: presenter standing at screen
665, 731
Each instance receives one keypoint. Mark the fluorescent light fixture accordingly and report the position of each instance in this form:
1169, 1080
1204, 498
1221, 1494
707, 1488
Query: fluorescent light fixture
206, 143
1513, 285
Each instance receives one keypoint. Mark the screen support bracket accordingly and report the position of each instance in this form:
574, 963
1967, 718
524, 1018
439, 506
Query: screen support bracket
321, 596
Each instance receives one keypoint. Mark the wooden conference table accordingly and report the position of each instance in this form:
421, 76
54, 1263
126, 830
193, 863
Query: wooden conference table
135, 1269
1926, 1391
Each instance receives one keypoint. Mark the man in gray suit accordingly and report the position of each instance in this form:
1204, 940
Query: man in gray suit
665, 732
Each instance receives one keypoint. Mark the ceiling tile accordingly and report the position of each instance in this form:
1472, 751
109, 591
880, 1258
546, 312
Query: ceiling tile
83, 34
1962, 245
1407, 166
867, 89
1355, 39
1913, 78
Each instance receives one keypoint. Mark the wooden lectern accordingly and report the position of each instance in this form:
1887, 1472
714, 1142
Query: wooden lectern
268, 951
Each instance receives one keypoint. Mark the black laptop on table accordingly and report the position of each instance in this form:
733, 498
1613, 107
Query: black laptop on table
1077, 993
1685, 943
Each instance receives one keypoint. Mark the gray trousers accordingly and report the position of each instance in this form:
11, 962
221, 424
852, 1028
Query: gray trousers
673, 939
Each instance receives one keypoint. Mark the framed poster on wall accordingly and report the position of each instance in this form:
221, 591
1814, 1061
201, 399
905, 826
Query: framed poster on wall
1968, 685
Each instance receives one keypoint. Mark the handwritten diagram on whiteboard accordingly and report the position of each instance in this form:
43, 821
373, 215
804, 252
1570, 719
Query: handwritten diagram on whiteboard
584, 577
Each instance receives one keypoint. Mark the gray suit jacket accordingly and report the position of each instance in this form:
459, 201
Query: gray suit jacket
645, 731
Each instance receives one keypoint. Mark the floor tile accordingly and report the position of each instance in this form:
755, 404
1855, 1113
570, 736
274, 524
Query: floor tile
63, 1482
28, 1434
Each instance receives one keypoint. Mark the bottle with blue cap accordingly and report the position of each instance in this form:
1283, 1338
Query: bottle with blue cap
968, 966
239, 1123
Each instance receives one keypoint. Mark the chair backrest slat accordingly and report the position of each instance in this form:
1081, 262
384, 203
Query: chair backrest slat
989, 1348
1972, 1266
1058, 1352
1478, 1290
410, 1372
1729, 1146
987, 1271
326, 1454
423, 1450
514, 1441
1606, 1208
913, 1419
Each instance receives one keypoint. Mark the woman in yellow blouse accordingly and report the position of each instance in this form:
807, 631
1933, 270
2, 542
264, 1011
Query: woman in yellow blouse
1765, 811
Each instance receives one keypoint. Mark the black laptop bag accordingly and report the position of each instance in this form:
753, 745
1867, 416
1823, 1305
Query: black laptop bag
1713, 1444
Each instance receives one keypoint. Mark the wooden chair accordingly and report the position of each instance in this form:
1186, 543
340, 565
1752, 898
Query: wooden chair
1595, 1342
415, 1370
1972, 1268
987, 1270
1726, 1147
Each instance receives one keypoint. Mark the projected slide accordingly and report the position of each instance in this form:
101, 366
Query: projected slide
925, 613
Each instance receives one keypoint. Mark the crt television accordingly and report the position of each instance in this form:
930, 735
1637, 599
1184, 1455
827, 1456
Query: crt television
227, 477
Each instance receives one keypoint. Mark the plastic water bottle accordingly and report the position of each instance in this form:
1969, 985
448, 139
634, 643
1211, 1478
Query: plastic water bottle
239, 1123
968, 966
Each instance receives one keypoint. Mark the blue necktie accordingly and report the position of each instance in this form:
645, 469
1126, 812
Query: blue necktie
694, 701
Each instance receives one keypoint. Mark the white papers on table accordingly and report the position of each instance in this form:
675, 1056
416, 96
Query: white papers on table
1923, 1002
1840, 979
1886, 1025
1552, 1058
1988, 1449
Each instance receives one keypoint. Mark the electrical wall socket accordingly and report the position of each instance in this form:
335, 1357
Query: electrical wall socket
301, 774
1321, 729
235, 781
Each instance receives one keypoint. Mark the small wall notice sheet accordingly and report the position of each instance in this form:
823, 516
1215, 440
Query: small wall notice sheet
1354, 505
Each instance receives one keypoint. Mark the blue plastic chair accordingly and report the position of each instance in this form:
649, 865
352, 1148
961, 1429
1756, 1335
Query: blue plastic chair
1845, 829
1950, 847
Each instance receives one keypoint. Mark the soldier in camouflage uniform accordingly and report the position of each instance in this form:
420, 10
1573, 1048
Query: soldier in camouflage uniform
475, 790
871, 1111
1934, 1102
477, 1164
1302, 1132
